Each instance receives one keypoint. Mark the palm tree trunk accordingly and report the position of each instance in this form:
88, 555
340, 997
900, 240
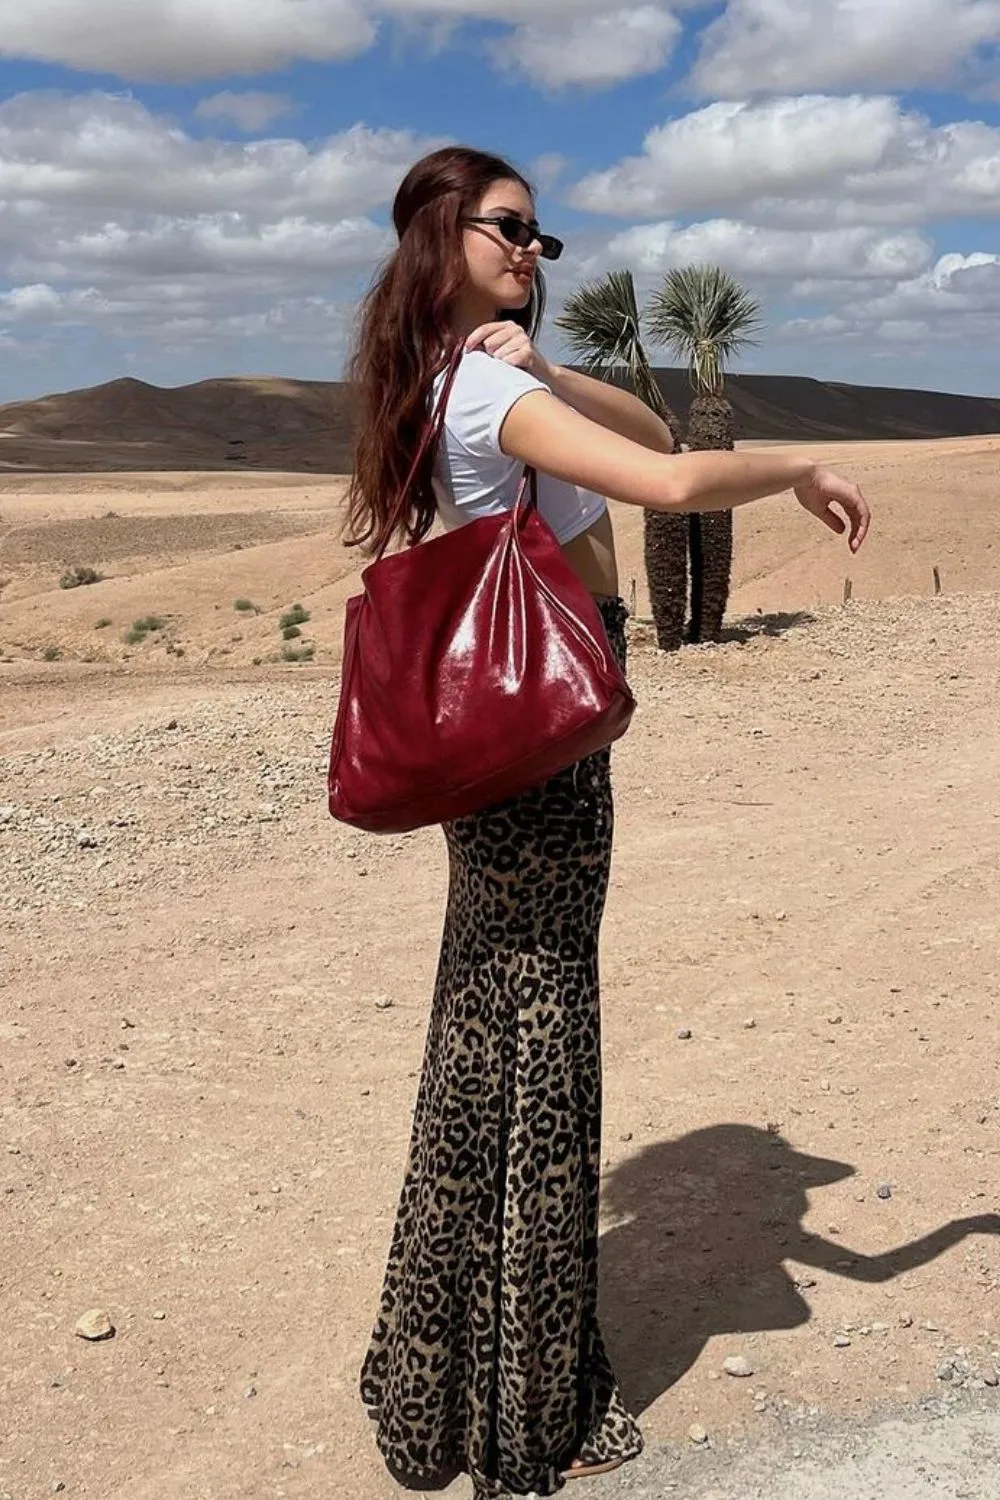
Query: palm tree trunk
710, 427
711, 573
666, 544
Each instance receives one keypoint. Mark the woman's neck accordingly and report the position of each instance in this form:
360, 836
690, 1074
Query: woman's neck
471, 312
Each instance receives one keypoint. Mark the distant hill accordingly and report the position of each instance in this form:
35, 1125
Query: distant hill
306, 426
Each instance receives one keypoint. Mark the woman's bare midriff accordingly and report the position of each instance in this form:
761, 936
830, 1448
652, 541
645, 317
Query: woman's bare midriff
591, 555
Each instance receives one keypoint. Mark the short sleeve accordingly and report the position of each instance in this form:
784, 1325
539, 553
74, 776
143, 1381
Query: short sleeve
485, 389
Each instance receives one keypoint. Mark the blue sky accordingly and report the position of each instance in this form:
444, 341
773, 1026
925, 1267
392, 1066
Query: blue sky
208, 193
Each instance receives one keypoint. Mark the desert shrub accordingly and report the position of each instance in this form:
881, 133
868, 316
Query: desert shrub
245, 606
51, 653
299, 653
141, 628
75, 578
103, 623
290, 633
294, 616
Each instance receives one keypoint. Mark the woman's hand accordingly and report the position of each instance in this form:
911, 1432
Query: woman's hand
824, 489
509, 342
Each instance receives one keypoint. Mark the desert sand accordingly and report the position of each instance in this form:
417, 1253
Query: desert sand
214, 998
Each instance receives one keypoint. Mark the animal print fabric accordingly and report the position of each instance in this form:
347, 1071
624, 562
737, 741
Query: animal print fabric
487, 1357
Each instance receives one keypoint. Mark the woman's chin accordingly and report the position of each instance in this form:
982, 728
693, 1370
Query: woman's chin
514, 302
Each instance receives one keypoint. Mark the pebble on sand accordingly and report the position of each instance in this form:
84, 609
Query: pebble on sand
738, 1366
95, 1324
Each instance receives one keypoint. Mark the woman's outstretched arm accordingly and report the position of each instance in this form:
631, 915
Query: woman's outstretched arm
543, 431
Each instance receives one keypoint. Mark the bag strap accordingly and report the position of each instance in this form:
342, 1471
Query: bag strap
529, 483
430, 439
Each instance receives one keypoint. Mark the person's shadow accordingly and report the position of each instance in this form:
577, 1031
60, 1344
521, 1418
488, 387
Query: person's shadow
706, 1224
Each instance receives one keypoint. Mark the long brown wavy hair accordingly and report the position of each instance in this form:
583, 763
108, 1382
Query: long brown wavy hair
403, 338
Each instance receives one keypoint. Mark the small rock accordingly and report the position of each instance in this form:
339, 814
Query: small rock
738, 1366
250, 1392
95, 1324
841, 1341
684, 1035
991, 1378
85, 839
946, 1371
158, 1317
884, 1191
697, 1433
930, 1327
749, 1024
906, 1320
172, 724
384, 1002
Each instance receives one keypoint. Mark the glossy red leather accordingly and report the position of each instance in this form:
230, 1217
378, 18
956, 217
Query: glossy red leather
476, 665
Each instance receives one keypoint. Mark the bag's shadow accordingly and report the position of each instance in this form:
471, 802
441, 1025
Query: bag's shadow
706, 1224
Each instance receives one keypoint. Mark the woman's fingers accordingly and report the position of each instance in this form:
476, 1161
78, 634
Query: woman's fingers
827, 489
490, 336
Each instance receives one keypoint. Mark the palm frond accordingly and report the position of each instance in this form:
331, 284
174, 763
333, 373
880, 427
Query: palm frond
703, 315
604, 331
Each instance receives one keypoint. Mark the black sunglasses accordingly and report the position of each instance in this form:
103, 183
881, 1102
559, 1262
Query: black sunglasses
516, 232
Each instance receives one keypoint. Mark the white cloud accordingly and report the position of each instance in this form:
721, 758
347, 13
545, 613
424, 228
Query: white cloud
593, 51
227, 244
184, 39
188, 40
116, 219
766, 46
754, 46
108, 154
748, 250
810, 160
957, 300
546, 170
250, 111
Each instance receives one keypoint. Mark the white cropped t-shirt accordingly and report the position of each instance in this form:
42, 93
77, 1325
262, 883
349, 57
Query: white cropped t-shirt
473, 476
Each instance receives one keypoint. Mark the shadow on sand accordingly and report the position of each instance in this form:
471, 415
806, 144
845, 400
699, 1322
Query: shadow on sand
708, 1222
749, 627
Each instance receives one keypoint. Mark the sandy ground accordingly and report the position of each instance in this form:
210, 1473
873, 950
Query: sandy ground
214, 1000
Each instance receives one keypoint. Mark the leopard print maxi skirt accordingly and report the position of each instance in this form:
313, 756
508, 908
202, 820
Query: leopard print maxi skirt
487, 1357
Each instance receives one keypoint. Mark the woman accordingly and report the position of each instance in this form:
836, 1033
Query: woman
487, 1356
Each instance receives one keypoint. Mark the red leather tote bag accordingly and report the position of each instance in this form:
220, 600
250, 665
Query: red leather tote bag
476, 665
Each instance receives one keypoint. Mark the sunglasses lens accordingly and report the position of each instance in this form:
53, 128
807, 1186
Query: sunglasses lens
516, 232
551, 248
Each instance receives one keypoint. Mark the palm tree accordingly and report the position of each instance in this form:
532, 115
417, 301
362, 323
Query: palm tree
703, 315
604, 331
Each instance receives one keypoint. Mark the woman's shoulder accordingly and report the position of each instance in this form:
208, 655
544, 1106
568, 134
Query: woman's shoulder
480, 376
